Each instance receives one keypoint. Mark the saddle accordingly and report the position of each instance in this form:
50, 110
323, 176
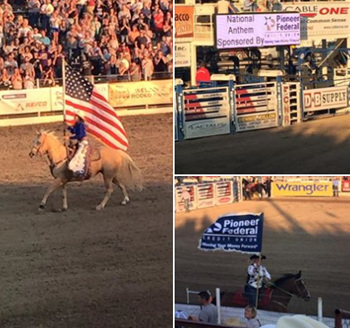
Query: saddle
241, 299
80, 160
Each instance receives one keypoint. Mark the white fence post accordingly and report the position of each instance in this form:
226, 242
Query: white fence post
218, 305
320, 309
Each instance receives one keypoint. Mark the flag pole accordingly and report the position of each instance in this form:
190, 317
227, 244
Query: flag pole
64, 103
257, 290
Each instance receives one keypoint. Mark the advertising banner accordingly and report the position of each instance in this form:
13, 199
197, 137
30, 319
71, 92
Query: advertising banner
286, 105
224, 192
234, 233
256, 121
257, 30
321, 20
141, 93
184, 26
182, 54
179, 205
308, 189
346, 186
327, 98
255, 100
207, 112
205, 195
24, 101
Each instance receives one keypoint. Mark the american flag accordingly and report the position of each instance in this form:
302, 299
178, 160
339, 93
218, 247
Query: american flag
101, 120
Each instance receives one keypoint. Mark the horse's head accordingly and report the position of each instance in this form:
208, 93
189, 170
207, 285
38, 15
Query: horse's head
40, 145
300, 289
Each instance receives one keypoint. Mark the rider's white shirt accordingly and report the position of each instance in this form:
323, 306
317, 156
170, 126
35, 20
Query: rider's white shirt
255, 273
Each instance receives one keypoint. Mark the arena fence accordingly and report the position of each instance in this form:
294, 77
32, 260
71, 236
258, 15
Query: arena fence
197, 324
231, 191
209, 194
228, 108
44, 105
237, 315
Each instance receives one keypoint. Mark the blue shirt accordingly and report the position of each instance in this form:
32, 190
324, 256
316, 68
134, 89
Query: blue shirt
78, 131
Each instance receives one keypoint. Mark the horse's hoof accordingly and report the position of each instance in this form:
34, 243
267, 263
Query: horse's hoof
98, 208
41, 208
124, 202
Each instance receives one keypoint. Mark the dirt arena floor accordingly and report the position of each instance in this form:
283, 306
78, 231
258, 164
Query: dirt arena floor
320, 146
85, 268
308, 234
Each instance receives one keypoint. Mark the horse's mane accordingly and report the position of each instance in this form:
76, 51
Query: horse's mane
285, 277
49, 133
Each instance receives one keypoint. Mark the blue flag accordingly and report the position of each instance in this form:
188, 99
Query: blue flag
234, 233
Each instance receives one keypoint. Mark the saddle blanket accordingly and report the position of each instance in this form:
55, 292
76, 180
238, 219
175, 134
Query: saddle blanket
79, 164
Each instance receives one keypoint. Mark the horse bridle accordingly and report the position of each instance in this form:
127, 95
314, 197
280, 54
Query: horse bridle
49, 161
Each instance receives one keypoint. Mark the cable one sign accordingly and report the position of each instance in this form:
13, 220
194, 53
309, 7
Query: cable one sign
257, 30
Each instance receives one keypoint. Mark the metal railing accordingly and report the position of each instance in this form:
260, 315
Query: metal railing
339, 316
198, 324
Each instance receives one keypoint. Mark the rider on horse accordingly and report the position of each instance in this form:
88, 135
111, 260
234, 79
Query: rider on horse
257, 276
78, 131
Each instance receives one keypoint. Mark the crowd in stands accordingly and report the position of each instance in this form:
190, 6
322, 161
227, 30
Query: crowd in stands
130, 40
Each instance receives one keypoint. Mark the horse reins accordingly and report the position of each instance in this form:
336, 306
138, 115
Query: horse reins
284, 291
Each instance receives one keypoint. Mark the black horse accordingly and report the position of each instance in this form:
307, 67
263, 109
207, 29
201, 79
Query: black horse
276, 297
250, 188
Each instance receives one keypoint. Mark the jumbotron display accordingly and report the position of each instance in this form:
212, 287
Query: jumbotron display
257, 30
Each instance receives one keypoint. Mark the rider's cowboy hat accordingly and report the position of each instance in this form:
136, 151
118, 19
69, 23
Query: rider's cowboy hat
299, 321
79, 114
314, 323
255, 257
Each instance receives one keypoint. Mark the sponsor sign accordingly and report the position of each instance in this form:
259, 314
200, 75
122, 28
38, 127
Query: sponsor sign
207, 112
310, 189
346, 186
224, 192
182, 55
24, 101
234, 232
256, 121
327, 98
184, 26
205, 195
320, 20
205, 128
286, 105
257, 30
141, 93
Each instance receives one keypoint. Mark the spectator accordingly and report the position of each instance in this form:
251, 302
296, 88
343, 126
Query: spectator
5, 79
250, 313
135, 71
27, 67
11, 64
28, 80
147, 67
202, 74
16, 80
209, 312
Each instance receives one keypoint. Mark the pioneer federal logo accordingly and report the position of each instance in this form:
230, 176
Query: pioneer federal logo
270, 23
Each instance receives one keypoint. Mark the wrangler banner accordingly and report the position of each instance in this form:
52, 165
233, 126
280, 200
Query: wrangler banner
141, 93
234, 233
302, 189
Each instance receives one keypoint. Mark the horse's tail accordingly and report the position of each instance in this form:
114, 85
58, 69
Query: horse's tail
129, 174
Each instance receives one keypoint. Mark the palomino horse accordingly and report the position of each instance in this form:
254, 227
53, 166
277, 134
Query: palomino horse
250, 189
275, 298
116, 166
